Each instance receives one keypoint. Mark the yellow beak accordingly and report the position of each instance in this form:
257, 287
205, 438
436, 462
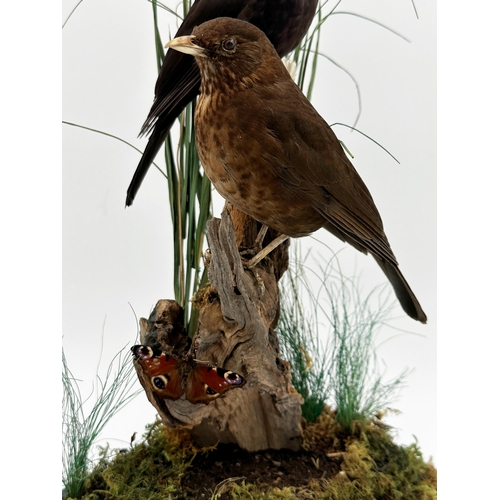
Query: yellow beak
185, 44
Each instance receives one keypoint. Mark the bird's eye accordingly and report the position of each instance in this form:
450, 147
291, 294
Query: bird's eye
229, 44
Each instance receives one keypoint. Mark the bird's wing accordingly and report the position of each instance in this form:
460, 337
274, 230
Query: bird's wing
179, 78
310, 156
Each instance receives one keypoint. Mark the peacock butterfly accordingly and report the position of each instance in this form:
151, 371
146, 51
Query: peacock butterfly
171, 377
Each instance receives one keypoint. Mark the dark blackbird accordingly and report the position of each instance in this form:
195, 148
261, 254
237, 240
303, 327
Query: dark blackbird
285, 22
267, 150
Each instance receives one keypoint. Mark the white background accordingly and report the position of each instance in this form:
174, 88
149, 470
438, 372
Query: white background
121, 33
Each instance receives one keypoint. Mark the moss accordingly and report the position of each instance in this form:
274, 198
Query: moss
373, 467
204, 296
151, 470
370, 467
378, 468
252, 492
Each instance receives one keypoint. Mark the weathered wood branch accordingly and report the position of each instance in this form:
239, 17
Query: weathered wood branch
238, 313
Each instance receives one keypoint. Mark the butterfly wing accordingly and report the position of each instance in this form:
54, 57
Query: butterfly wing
206, 383
164, 371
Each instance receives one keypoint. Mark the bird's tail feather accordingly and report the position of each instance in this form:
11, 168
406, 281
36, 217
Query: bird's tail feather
403, 291
152, 147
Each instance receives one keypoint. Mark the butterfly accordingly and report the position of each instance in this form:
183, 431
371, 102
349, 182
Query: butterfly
171, 377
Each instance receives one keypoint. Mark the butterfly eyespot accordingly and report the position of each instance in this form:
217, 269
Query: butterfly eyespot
209, 391
233, 378
229, 44
142, 351
160, 382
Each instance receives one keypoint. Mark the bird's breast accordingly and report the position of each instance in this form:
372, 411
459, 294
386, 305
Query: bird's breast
241, 164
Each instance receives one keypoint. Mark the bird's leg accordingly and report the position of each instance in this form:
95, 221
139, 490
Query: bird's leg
257, 242
249, 264
260, 237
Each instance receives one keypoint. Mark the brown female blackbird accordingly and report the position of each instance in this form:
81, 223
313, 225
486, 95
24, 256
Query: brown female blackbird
285, 22
267, 150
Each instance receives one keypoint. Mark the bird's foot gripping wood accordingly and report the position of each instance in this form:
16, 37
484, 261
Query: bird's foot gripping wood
250, 264
250, 240
237, 216
257, 249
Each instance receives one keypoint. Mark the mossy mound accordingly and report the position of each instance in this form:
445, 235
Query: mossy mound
362, 463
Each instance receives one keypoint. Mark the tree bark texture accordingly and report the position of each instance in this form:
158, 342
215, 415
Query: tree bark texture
238, 313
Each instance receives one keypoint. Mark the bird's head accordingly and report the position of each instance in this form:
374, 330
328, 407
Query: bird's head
234, 53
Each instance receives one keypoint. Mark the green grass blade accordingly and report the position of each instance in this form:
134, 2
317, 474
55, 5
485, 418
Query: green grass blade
71, 13
113, 137
80, 431
368, 137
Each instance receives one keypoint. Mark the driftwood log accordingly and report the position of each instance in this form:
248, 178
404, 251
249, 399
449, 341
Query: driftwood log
238, 313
